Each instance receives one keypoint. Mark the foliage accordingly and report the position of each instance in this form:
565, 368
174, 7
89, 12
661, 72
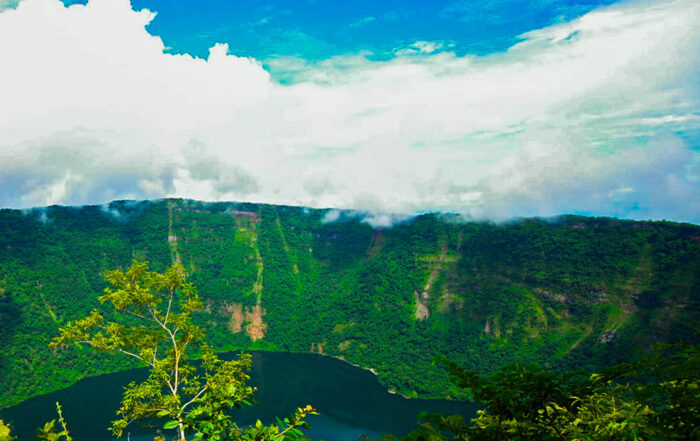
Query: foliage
565, 293
5, 432
654, 398
152, 322
50, 433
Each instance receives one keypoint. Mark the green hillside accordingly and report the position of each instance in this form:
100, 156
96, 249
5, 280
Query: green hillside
573, 292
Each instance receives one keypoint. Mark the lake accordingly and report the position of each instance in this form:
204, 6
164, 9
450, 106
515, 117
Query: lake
351, 401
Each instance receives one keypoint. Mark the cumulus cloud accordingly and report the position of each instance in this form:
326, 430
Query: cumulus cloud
80, 167
597, 115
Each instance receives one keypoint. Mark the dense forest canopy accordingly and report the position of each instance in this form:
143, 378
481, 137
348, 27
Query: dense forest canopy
567, 293
653, 398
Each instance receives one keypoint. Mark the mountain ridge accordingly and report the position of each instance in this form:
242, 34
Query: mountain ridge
568, 292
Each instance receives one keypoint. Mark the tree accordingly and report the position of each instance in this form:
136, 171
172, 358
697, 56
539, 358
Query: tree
655, 398
152, 322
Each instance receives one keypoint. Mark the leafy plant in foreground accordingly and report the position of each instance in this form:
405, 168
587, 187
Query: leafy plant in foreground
152, 322
50, 433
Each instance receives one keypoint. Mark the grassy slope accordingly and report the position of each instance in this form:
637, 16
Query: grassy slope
579, 292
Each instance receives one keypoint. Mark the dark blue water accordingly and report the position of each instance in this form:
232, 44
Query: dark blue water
350, 399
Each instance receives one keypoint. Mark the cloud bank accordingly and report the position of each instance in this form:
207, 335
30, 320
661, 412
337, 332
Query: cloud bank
599, 115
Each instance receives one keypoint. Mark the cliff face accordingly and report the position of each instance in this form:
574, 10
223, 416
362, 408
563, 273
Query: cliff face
573, 292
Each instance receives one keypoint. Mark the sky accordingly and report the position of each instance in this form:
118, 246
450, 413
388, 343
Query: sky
490, 109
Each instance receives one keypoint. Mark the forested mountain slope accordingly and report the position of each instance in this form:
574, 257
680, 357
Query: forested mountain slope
573, 292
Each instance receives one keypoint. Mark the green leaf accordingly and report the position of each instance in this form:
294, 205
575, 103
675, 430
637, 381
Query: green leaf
171, 424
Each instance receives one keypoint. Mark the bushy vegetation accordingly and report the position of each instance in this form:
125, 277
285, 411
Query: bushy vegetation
654, 398
569, 293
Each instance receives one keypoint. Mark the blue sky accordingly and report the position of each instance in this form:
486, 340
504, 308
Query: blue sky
318, 29
492, 109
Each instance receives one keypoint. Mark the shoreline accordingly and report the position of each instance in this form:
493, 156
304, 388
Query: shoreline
337, 357
373, 371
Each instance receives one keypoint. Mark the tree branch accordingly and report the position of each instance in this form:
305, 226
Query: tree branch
175, 350
194, 398
142, 317
170, 302
136, 356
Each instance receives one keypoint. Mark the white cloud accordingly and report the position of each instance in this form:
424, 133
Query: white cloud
566, 120
331, 216
384, 220
421, 47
